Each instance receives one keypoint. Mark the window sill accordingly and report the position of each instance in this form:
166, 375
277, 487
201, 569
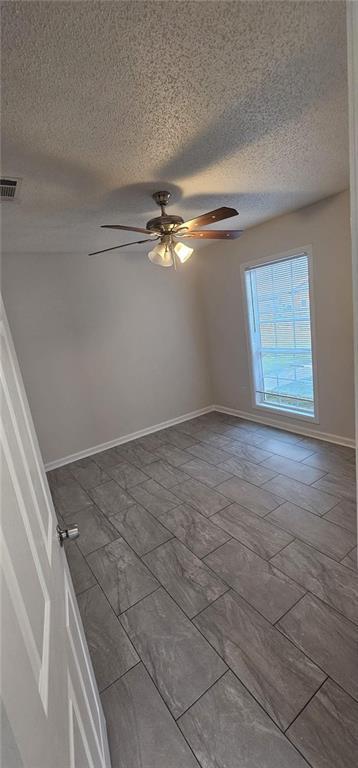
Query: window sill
296, 415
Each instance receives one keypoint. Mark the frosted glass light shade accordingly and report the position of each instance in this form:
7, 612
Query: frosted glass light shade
183, 252
161, 255
166, 252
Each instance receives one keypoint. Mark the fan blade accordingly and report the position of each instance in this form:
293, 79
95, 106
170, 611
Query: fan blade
136, 242
212, 234
127, 229
208, 218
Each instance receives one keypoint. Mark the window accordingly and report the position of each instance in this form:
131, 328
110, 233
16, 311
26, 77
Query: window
278, 301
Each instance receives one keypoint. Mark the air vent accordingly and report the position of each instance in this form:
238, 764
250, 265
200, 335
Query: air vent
8, 189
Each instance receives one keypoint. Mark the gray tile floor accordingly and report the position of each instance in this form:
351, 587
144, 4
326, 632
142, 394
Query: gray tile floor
217, 581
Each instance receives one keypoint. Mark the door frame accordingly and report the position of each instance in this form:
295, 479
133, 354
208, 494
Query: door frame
352, 61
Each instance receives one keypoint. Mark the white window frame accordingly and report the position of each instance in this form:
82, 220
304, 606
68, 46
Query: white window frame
266, 407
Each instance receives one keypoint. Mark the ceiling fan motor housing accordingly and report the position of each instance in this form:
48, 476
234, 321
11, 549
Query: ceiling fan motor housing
164, 223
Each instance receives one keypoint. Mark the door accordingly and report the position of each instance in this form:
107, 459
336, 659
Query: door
52, 716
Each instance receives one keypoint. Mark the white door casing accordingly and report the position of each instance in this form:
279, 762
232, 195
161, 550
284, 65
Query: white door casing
50, 703
352, 61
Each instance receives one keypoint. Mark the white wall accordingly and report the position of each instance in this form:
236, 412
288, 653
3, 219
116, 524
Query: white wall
107, 345
325, 226
110, 345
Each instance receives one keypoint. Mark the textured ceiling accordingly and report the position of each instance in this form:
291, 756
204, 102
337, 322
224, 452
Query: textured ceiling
241, 103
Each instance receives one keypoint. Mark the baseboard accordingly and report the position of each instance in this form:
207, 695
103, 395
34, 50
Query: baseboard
126, 438
297, 429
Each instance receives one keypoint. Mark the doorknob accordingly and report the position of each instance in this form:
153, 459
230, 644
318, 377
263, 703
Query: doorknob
67, 534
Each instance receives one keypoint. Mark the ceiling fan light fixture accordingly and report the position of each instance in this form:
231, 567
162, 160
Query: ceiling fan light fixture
162, 255
183, 252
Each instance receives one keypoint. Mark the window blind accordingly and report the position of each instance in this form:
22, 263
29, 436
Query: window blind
278, 296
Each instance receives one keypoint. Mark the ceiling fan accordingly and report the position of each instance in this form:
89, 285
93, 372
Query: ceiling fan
169, 228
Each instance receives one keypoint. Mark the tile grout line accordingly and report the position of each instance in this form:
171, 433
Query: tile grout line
252, 607
308, 591
98, 548
208, 517
297, 583
138, 601
196, 628
190, 478
327, 605
235, 538
229, 669
317, 517
292, 643
305, 592
161, 544
308, 655
202, 694
137, 663
273, 624
107, 599
172, 718
306, 705
111, 607
229, 587
172, 490
173, 535
218, 575
162, 586
135, 503
232, 538
349, 553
